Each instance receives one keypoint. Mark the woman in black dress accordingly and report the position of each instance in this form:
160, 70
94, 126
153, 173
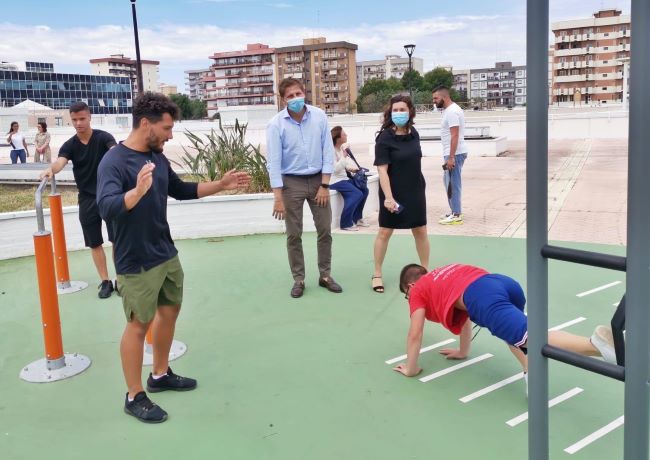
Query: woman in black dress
402, 203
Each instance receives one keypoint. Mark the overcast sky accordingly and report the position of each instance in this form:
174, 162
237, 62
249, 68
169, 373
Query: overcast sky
181, 34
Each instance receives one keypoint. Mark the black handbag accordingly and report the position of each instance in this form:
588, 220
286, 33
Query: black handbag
359, 178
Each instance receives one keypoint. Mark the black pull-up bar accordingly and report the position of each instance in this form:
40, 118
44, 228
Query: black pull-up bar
584, 362
594, 259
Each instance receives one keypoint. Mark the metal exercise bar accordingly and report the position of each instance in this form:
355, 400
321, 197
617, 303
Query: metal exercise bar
585, 362
578, 256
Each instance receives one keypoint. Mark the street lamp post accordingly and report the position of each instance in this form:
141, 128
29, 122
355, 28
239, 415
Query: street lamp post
409, 51
138, 62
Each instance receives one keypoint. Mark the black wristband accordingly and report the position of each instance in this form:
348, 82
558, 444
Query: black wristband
325, 185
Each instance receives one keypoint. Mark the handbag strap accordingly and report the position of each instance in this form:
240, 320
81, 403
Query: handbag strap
349, 152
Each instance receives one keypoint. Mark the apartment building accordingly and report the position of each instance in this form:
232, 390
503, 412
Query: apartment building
118, 65
503, 85
392, 66
589, 58
241, 78
194, 84
166, 89
462, 82
328, 71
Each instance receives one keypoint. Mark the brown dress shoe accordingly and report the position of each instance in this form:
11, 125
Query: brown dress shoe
330, 284
297, 289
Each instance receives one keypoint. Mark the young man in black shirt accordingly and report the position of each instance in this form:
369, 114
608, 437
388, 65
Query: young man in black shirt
134, 180
86, 149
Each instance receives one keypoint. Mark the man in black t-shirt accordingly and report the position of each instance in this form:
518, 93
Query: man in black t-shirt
86, 149
133, 182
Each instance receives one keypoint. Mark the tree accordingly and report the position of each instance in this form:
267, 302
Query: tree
412, 80
437, 77
190, 109
376, 93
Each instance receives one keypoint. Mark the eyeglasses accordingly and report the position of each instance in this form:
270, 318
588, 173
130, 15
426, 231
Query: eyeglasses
406, 293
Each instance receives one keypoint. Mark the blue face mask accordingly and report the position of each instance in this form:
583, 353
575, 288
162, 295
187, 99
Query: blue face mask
400, 118
296, 104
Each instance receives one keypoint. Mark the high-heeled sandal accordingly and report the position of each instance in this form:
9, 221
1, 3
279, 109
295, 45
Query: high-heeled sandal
377, 286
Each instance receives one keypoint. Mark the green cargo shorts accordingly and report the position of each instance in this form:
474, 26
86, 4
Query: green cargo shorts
142, 293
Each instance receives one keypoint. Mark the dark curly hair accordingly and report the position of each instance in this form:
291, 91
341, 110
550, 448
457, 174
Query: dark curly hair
153, 106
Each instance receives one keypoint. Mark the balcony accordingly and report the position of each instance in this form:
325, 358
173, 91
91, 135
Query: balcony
608, 76
570, 78
572, 52
334, 89
337, 77
294, 59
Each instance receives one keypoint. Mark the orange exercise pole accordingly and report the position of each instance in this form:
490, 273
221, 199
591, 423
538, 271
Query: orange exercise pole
49, 301
63, 285
177, 349
60, 251
56, 365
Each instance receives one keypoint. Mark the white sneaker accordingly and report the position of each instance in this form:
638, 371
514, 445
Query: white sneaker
603, 340
452, 219
363, 223
354, 228
444, 216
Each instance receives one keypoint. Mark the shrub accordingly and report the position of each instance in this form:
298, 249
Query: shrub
216, 153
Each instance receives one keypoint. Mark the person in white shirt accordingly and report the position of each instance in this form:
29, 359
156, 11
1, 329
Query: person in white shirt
18, 145
354, 198
452, 134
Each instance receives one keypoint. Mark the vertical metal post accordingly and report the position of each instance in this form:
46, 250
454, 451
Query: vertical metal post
537, 29
637, 358
138, 62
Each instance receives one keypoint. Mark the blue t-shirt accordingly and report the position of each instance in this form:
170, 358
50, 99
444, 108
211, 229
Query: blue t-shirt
142, 237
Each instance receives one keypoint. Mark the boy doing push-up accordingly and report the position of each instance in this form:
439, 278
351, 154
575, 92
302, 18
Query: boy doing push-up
456, 295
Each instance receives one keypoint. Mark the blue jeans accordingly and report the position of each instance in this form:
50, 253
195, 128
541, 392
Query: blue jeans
354, 199
15, 154
456, 183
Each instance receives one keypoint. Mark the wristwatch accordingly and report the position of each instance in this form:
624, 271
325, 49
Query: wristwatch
325, 185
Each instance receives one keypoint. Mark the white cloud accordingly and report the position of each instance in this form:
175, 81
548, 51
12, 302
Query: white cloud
464, 41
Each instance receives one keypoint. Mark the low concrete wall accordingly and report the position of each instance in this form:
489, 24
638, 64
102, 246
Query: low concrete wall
477, 147
207, 217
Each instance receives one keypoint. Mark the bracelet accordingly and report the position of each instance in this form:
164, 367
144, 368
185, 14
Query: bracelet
325, 185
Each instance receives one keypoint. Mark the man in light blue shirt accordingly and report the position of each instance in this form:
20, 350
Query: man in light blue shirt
300, 158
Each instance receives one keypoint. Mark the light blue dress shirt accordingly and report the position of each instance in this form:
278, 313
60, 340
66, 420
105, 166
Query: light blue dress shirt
298, 148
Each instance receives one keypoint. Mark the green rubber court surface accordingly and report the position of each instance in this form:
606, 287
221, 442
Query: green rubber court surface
281, 378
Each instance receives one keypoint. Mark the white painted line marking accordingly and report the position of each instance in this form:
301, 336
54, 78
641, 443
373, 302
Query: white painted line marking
491, 388
600, 288
584, 442
451, 369
422, 350
553, 402
519, 376
567, 324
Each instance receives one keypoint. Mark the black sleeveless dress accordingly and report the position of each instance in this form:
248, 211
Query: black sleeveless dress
403, 155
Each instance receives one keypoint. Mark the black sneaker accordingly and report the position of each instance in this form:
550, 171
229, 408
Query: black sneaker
170, 381
105, 289
144, 409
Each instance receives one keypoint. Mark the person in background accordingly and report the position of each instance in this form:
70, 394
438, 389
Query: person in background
354, 198
402, 201
18, 145
42, 144
86, 149
300, 163
452, 135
